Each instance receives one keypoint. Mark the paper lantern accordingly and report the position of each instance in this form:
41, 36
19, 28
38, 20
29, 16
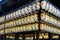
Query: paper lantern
28, 19
14, 14
42, 16
1, 26
19, 22
41, 26
36, 26
30, 9
19, 11
30, 28
23, 28
26, 10
43, 4
38, 5
52, 20
25, 20
47, 6
52, 9
34, 7
35, 18
17, 14
23, 11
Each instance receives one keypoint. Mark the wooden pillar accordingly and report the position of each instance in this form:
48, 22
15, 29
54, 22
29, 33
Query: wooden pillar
59, 37
3, 37
34, 36
37, 35
23, 37
50, 36
16, 36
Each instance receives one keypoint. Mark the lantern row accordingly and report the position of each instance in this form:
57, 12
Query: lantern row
29, 19
29, 27
22, 12
50, 29
50, 19
40, 37
32, 27
51, 8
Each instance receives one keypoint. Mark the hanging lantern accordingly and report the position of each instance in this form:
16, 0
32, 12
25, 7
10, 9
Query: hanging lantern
43, 4
23, 11
30, 9
38, 6
26, 10
34, 7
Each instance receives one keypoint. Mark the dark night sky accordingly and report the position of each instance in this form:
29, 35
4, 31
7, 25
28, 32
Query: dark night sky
3, 1
55, 2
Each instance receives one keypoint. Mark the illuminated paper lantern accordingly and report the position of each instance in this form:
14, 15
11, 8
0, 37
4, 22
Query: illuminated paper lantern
26, 10
42, 16
38, 6
14, 23
25, 20
26, 26
29, 28
33, 27
14, 14
52, 20
1, 31
9, 16
43, 4
18, 28
53, 9
34, 7
47, 6
57, 12
30, 9
32, 19
17, 14
50, 8
19, 11
1, 26
36, 26
35, 17
41, 26
22, 20
6, 25
23, 28
28, 19
19, 22
48, 18
23, 11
